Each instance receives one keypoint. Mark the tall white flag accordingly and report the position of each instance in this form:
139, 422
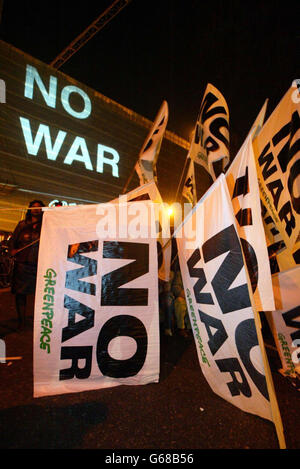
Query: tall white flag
241, 178
277, 154
225, 324
210, 141
146, 165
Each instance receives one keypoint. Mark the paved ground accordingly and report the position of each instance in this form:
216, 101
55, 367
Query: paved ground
180, 412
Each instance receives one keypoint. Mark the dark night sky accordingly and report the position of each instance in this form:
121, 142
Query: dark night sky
170, 49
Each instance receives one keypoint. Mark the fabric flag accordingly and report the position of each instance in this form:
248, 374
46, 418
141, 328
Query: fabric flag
96, 322
275, 243
210, 141
285, 320
288, 258
281, 258
259, 121
195, 152
225, 324
146, 165
241, 178
150, 191
189, 187
277, 154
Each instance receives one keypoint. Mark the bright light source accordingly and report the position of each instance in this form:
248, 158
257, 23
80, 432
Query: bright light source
170, 211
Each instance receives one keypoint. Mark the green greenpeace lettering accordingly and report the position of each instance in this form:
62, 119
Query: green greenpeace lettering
196, 328
48, 309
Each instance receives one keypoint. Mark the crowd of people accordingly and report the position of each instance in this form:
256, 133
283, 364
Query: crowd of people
173, 310
23, 247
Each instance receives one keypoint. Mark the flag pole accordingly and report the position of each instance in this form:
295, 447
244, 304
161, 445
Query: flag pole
269, 380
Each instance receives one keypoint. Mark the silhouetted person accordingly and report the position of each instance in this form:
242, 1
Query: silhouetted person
24, 247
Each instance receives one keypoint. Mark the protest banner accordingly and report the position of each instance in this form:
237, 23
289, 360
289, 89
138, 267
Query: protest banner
277, 155
221, 308
241, 178
285, 319
96, 320
146, 164
210, 141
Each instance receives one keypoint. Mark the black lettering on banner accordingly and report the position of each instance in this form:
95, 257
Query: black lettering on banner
244, 218
241, 187
296, 256
232, 366
251, 262
89, 268
246, 339
205, 113
294, 174
122, 325
75, 354
146, 196
215, 127
217, 339
276, 188
74, 328
289, 319
288, 151
198, 272
230, 299
267, 159
111, 293
286, 214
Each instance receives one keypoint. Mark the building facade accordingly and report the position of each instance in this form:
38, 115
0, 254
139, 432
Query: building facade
61, 140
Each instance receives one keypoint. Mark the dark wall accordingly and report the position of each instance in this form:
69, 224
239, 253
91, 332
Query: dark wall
75, 140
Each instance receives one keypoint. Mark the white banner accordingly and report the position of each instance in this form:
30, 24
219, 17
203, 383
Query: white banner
211, 134
146, 165
150, 191
96, 320
241, 178
277, 154
285, 320
229, 346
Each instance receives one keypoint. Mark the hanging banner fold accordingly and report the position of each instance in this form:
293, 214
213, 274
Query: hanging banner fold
241, 178
146, 165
